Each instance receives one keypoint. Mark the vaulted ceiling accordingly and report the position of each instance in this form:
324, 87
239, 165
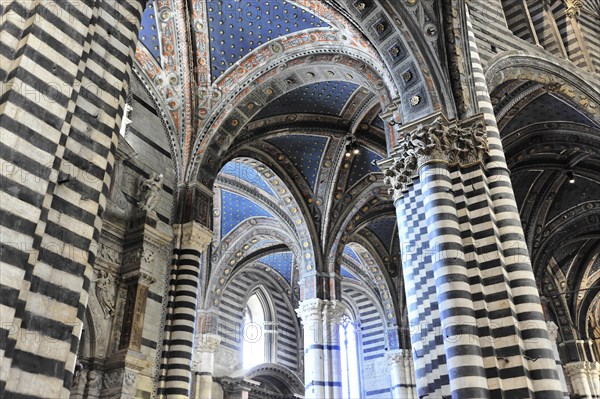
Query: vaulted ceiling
553, 152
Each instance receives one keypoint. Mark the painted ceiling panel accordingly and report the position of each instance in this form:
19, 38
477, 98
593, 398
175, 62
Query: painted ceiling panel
247, 173
236, 27
148, 33
235, 209
345, 273
546, 108
362, 165
326, 98
384, 230
305, 151
280, 261
378, 122
350, 252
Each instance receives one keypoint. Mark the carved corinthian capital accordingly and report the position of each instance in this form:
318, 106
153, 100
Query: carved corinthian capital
434, 140
310, 310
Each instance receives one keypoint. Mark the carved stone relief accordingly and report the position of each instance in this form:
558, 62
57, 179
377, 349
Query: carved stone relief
150, 192
105, 293
439, 141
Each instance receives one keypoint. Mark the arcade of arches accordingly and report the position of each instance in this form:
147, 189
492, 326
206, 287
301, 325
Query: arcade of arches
225, 199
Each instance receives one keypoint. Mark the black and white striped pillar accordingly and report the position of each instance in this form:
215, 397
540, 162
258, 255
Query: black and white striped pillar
467, 282
191, 241
65, 72
539, 374
402, 379
322, 363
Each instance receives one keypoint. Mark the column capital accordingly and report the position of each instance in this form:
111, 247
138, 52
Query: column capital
316, 309
397, 356
193, 234
207, 343
433, 139
310, 309
332, 311
573, 8
138, 276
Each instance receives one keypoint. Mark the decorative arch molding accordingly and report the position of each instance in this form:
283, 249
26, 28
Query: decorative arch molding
230, 115
290, 211
378, 280
592, 319
554, 232
417, 34
263, 278
166, 117
378, 246
555, 76
354, 209
375, 302
90, 338
281, 376
554, 286
558, 134
232, 255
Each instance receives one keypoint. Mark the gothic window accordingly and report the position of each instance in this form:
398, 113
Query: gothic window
256, 339
349, 358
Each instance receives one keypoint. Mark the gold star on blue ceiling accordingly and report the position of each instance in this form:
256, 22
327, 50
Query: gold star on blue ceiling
148, 33
282, 262
237, 27
326, 98
235, 209
305, 151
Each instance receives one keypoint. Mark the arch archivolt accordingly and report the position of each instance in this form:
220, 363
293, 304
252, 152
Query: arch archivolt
379, 280
169, 120
290, 216
280, 376
585, 216
228, 118
554, 77
382, 310
355, 206
241, 248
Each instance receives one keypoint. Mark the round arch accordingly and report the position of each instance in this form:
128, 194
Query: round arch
519, 65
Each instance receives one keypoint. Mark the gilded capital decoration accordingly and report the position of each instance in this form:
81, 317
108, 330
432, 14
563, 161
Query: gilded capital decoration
439, 141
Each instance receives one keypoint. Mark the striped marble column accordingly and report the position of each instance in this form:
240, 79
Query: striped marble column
64, 69
401, 374
332, 362
458, 269
192, 239
540, 375
322, 365
457, 311
204, 359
